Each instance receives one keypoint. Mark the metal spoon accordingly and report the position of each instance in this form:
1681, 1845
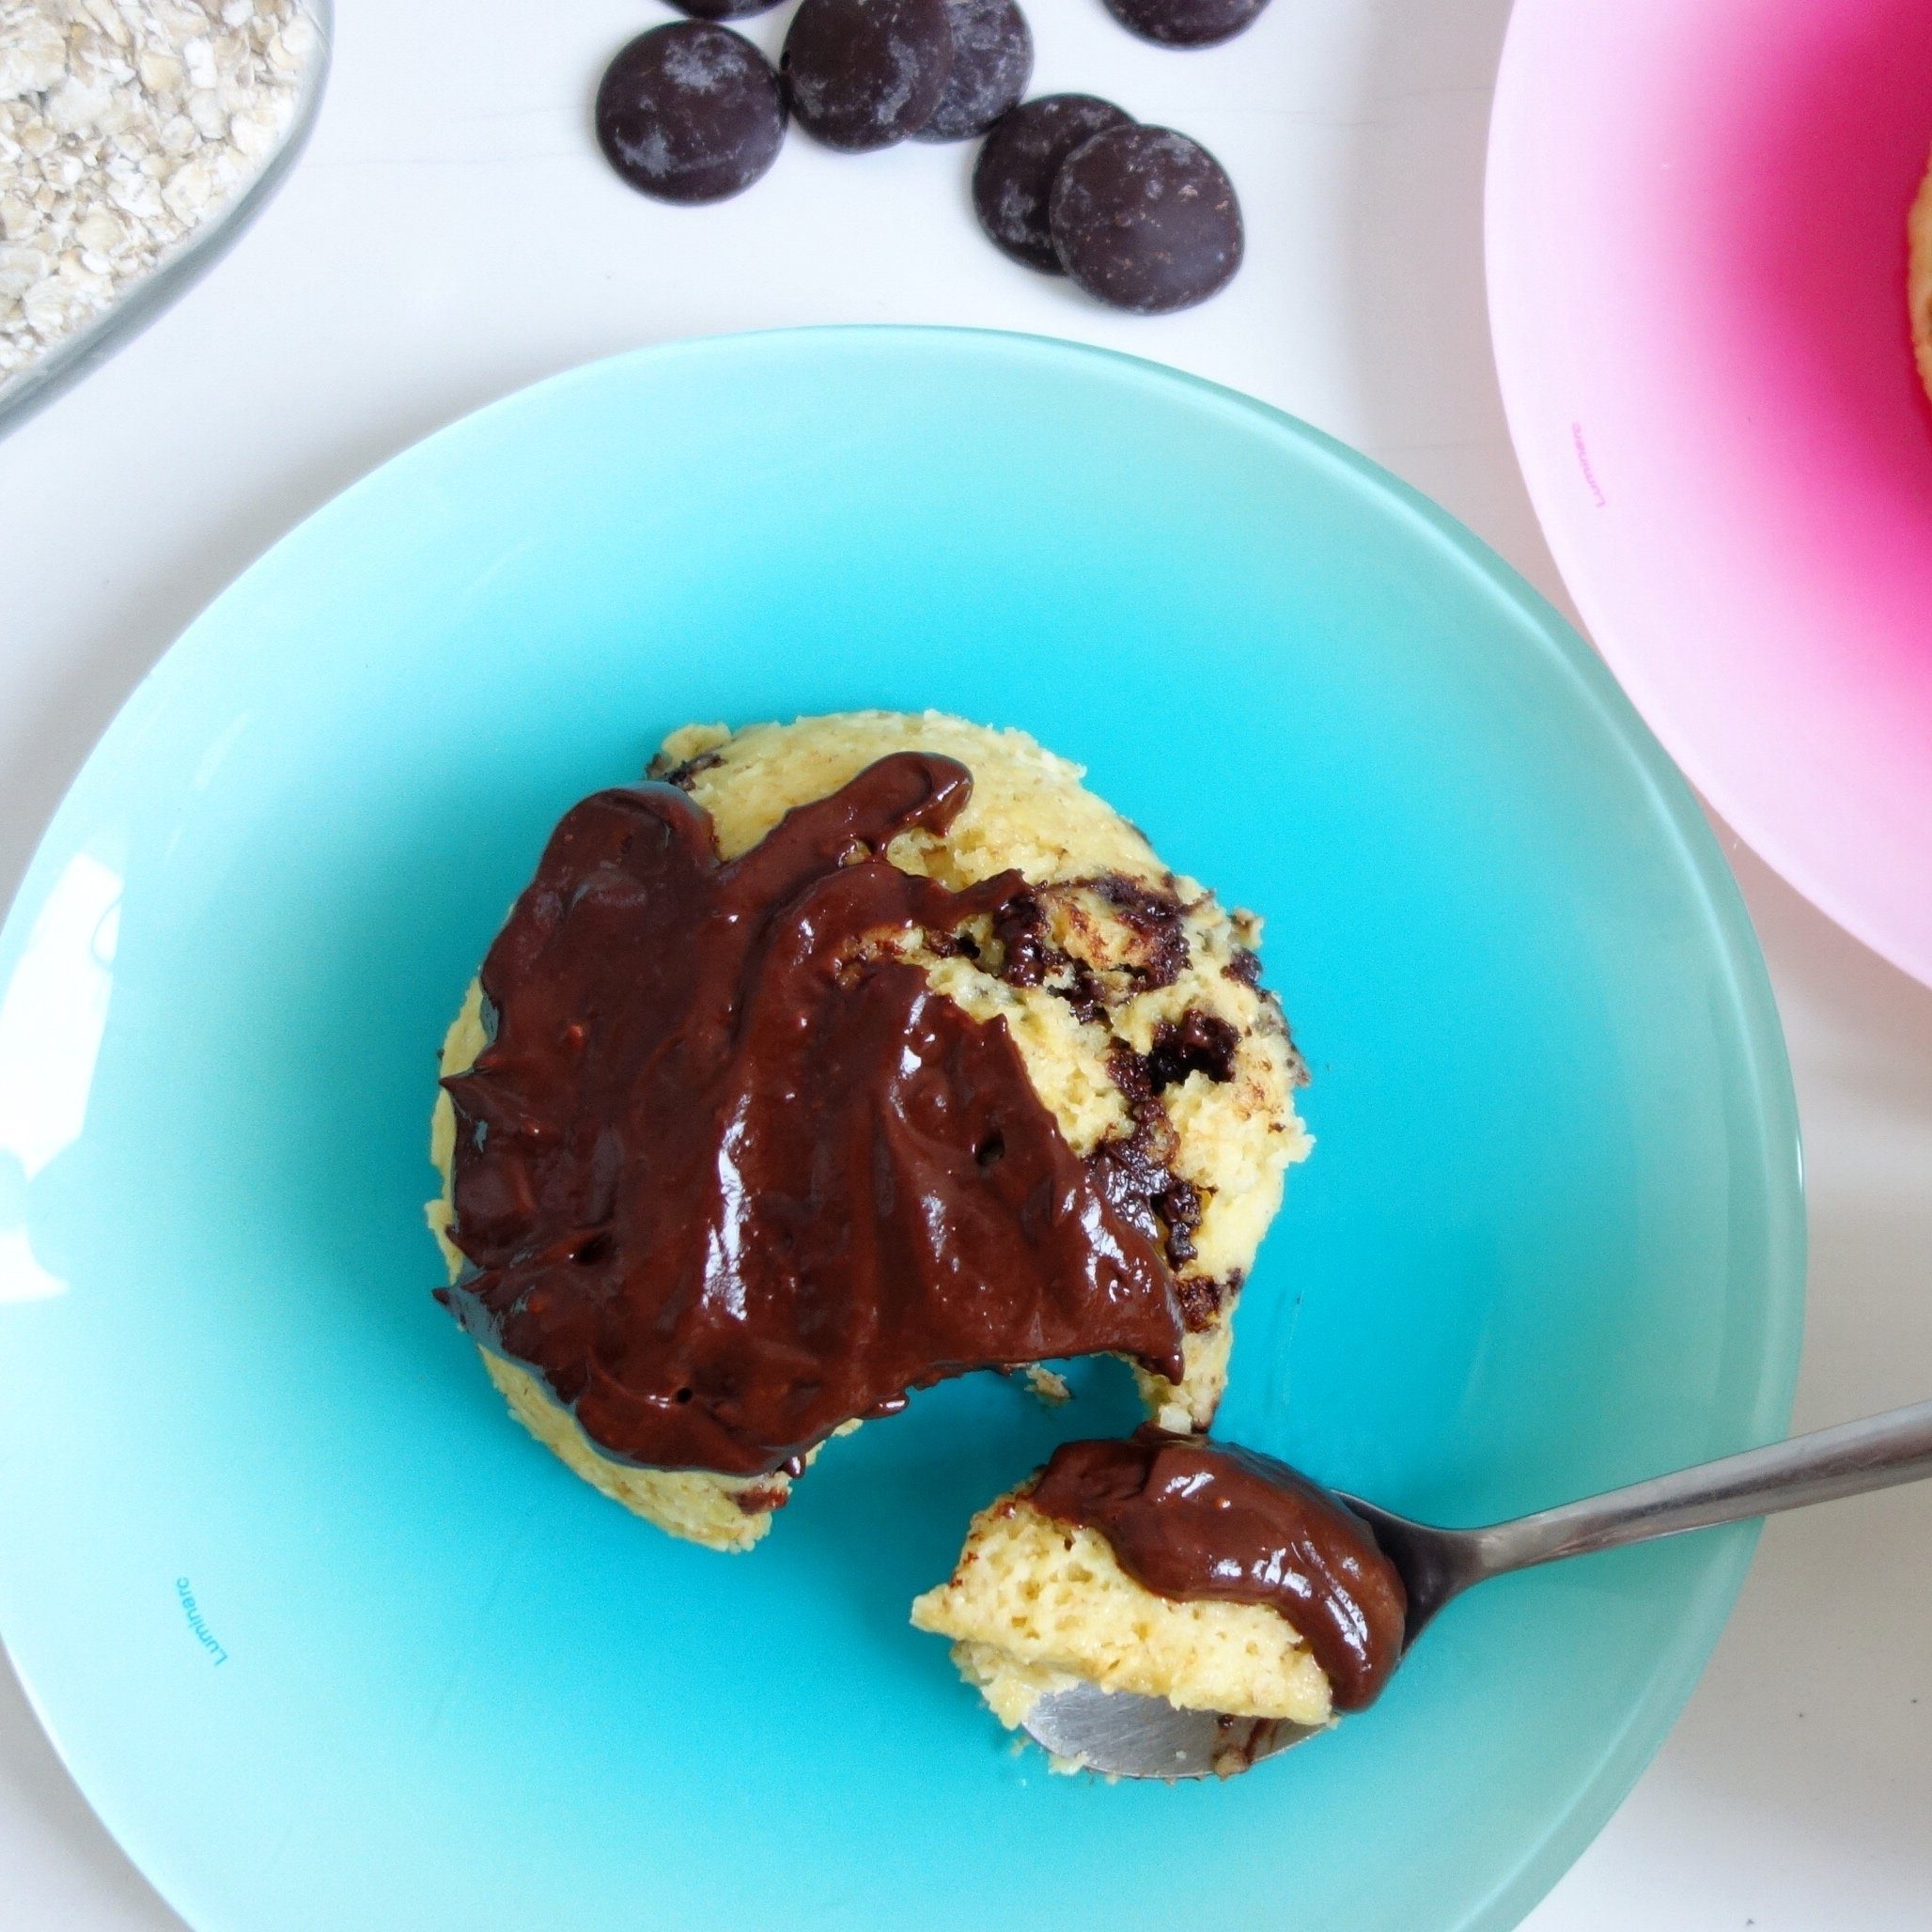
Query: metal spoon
1131, 1737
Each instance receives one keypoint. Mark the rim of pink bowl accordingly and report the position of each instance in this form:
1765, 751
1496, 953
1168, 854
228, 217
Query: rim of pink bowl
1879, 921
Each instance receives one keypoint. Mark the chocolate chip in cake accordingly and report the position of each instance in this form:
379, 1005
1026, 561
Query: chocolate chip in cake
690, 112
1181, 1207
1026, 955
866, 73
1013, 175
1155, 917
1145, 220
687, 774
1185, 22
1201, 1297
993, 62
1243, 967
1197, 1043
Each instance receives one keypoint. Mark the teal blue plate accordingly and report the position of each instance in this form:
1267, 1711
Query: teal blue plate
330, 1642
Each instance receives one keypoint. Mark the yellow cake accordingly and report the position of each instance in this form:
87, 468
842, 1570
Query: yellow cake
1142, 1032
1036, 1605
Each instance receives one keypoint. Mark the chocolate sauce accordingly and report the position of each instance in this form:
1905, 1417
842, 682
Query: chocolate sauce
729, 1173
1191, 1518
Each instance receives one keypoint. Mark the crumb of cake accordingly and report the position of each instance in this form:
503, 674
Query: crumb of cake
1050, 1386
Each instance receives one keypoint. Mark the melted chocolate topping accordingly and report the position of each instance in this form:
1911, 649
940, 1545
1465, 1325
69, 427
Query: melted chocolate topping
1191, 1518
728, 1173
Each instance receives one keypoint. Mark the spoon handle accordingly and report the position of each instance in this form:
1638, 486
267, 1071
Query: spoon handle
1894, 1447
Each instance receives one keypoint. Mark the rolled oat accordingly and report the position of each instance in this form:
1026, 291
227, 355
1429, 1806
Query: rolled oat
126, 126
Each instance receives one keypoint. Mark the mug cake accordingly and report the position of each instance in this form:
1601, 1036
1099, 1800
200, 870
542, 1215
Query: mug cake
836, 1058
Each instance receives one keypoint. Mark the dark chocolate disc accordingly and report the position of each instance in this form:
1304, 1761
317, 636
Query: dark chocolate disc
1015, 173
722, 10
1185, 22
993, 62
1146, 220
690, 112
865, 74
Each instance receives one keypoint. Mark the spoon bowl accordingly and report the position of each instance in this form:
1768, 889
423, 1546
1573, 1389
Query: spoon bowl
1123, 1735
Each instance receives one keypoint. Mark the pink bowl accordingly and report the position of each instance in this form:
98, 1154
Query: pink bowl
1696, 265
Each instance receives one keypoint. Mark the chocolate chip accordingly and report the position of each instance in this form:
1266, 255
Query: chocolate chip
685, 776
690, 112
1197, 1043
722, 10
1145, 220
1181, 1208
1131, 1178
1015, 173
1128, 1072
993, 62
1082, 992
1135, 1175
1185, 22
1200, 1300
1029, 959
1155, 917
1025, 954
865, 74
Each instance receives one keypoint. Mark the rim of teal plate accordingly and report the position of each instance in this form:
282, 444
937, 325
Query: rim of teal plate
1761, 1050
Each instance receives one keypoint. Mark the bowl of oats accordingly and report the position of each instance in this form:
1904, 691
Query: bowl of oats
137, 139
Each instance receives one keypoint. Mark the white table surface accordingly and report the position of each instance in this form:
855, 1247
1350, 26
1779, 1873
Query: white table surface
452, 235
